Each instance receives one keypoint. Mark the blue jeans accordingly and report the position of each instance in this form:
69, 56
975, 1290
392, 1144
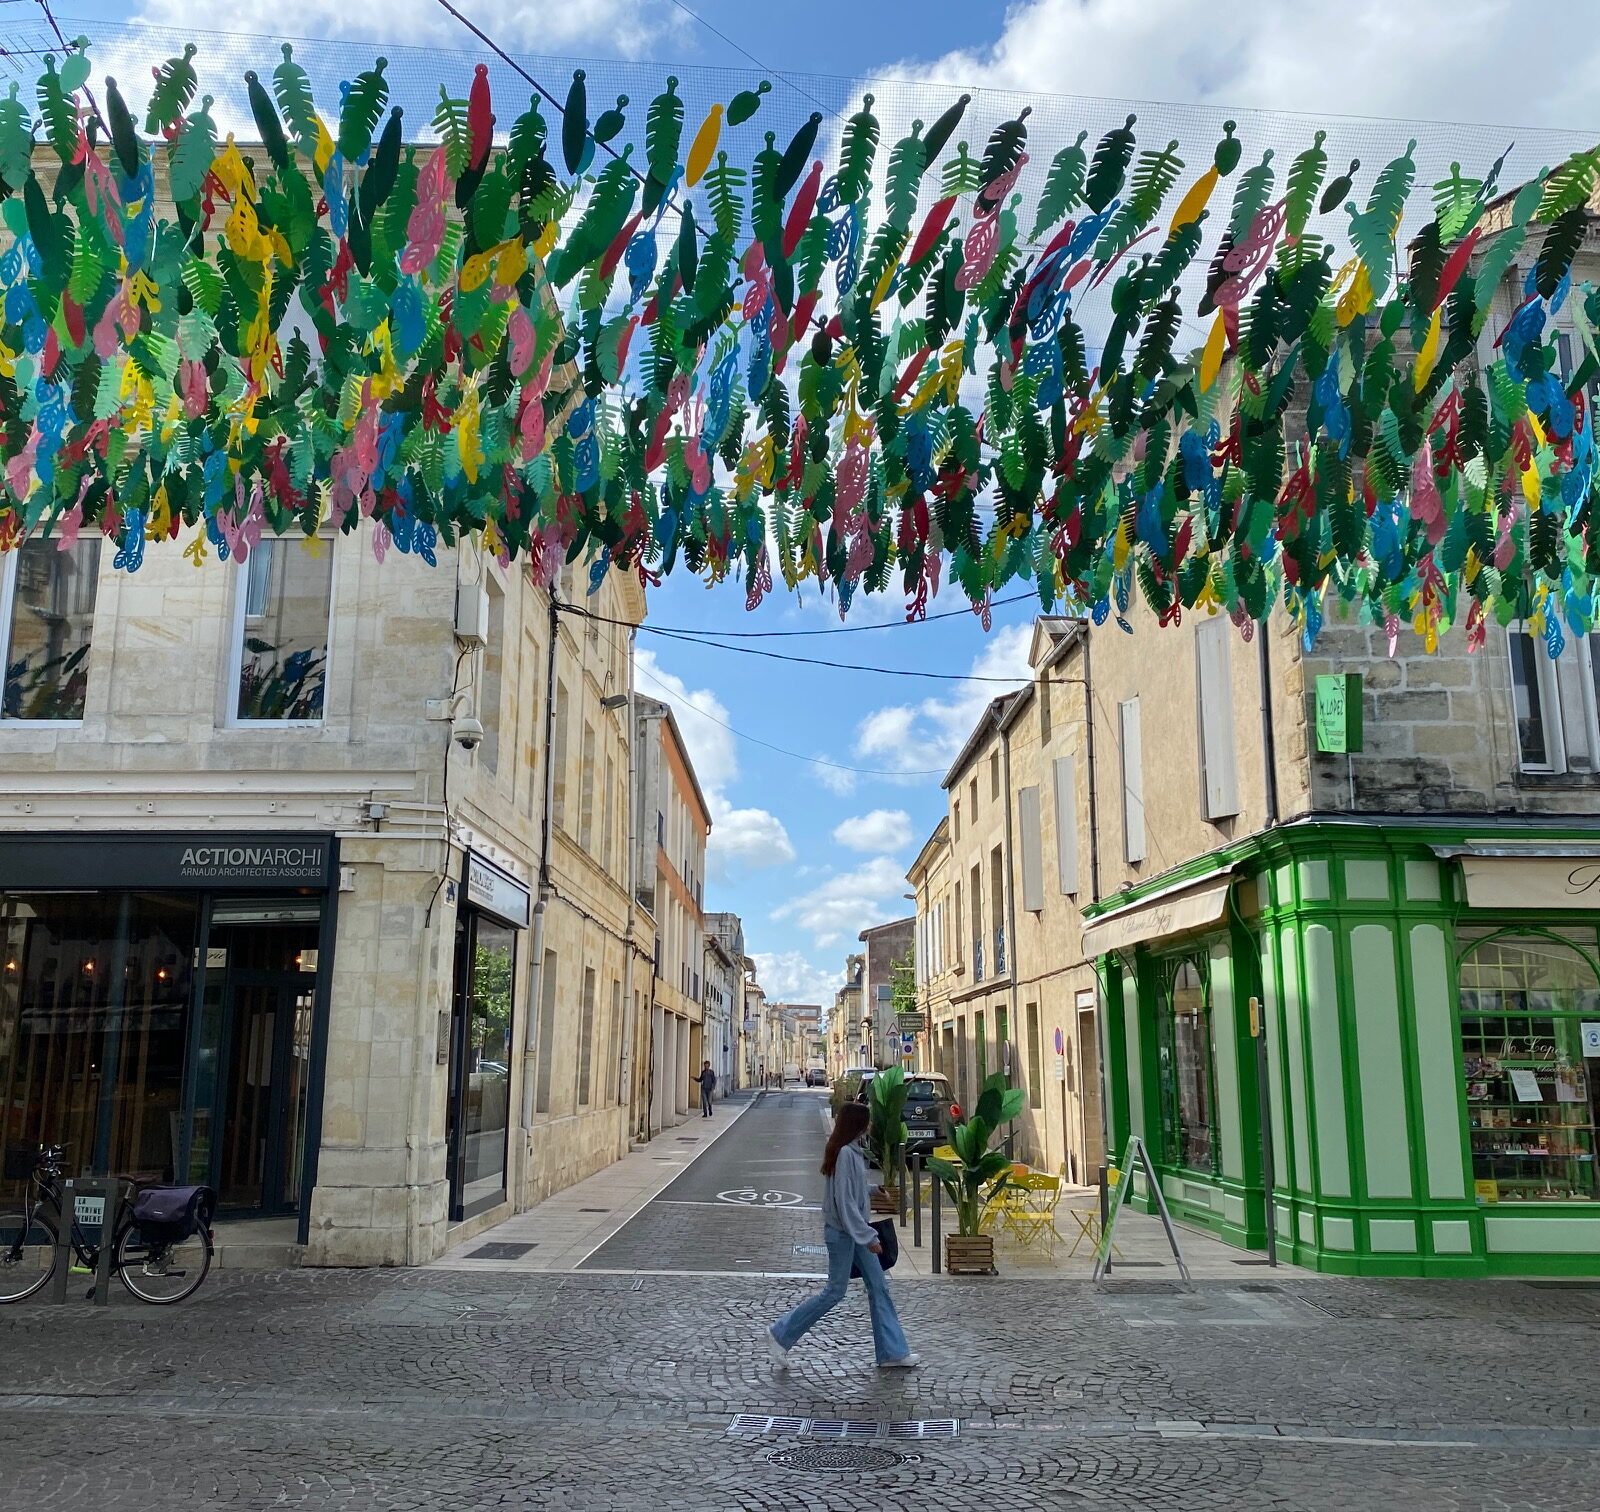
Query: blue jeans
888, 1342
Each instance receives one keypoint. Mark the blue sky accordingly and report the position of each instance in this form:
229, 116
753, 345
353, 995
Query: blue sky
809, 855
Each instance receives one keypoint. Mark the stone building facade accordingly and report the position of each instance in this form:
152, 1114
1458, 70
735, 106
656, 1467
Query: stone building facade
249, 802
674, 824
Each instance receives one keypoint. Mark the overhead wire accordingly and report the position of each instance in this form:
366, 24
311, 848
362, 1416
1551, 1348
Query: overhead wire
745, 52
822, 761
511, 63
967, 612
690, 638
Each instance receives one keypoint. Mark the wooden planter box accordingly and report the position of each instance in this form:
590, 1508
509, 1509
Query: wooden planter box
972, 1256
886, 1201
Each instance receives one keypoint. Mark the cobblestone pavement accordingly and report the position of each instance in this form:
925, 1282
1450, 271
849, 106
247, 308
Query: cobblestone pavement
439, 1389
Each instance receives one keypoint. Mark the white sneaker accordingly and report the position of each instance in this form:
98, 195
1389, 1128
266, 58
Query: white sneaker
909, 1362
780, 1355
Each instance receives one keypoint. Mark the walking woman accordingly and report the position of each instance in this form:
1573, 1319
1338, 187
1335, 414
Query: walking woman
851, 1240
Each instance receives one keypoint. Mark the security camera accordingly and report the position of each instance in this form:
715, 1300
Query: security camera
467, 732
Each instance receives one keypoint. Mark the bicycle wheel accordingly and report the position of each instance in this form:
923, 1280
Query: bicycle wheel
27, 1253
161, 1273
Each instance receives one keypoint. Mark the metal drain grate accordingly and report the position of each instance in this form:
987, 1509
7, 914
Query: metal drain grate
811, 1249
594, 1210
499, 1250
1262, 1260
844, 1458
760, 1425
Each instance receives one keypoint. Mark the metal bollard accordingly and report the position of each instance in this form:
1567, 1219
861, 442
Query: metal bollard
916, 1202
935, 1190
901, 1184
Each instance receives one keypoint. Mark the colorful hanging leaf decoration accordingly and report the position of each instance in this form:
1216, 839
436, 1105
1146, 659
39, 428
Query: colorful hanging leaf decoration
1213, 404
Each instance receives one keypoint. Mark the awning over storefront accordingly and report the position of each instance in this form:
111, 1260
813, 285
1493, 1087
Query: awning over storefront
1177, 911
1563, 881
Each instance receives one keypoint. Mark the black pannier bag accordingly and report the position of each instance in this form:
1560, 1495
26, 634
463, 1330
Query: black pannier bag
169, 1215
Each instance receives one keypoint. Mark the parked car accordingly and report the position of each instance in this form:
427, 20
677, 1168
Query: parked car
930, 1110
816, 1077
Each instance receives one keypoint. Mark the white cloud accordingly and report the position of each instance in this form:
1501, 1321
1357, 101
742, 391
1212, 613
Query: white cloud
627, 28
837, 910
788, 976
745, 838
836, 779
881, 832
742, 839
913, 737
1443, 59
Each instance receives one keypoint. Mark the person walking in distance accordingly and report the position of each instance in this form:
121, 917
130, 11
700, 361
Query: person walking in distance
852, 1241
708, 1084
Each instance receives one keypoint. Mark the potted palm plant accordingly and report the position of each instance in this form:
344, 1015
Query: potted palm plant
976, 1176
887, 1133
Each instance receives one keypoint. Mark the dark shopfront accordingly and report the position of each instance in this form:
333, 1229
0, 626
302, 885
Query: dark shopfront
164, 1008
495, 907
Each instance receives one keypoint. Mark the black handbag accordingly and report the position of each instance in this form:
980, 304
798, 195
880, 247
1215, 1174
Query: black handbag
889, 1240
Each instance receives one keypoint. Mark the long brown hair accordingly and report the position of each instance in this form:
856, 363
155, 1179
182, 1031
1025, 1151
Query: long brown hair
848, 1127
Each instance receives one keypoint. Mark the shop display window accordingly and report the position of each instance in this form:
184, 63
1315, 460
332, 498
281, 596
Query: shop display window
46, 620
1188, 1074
1530, 1005
281, 639
94, 1011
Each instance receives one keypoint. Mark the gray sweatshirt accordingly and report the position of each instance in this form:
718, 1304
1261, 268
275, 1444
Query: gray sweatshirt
845, 1203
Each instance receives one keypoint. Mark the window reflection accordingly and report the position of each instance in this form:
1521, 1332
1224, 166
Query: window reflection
46, 636
283, 646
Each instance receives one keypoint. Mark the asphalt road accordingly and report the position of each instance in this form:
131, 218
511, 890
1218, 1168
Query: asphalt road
750, 1204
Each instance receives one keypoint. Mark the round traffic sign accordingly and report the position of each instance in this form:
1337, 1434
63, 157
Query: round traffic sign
1061, 1045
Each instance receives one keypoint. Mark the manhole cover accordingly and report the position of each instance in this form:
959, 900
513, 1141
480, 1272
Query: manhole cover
841, 1457
499, 1250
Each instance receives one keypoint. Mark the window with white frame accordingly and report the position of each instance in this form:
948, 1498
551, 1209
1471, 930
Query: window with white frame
1219, 777
46, 622
280, 642
1554, 704
1133, 844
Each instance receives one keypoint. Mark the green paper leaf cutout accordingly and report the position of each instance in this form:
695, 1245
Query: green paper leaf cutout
1109, 166
191, 153
75, 67
362, 110
1250, 198
857, 149
942, 130
575, 122
58, 112
663, 132
723, 183
124, 138
745, 104
1062, 186
293, 91
175, 85
450, 121
1305, 178
16, 138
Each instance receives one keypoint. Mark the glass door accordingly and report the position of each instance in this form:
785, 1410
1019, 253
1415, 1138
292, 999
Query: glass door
480, 1063
265, 1090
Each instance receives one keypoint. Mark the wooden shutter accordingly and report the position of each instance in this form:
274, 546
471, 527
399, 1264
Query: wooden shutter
1032, 841
1219, 775
1066, 778
1133, 846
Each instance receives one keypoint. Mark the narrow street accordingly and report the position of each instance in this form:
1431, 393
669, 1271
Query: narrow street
638, 1381
750, 1202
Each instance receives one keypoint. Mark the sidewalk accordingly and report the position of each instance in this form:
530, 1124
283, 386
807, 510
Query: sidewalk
562, 1231
1141, 1251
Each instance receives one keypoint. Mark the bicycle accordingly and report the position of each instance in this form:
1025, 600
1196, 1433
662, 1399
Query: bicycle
158, 1263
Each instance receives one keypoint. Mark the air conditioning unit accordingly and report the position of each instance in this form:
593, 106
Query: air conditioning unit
472, 616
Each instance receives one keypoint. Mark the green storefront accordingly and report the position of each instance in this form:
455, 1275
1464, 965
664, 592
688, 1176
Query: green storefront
1428, 1001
